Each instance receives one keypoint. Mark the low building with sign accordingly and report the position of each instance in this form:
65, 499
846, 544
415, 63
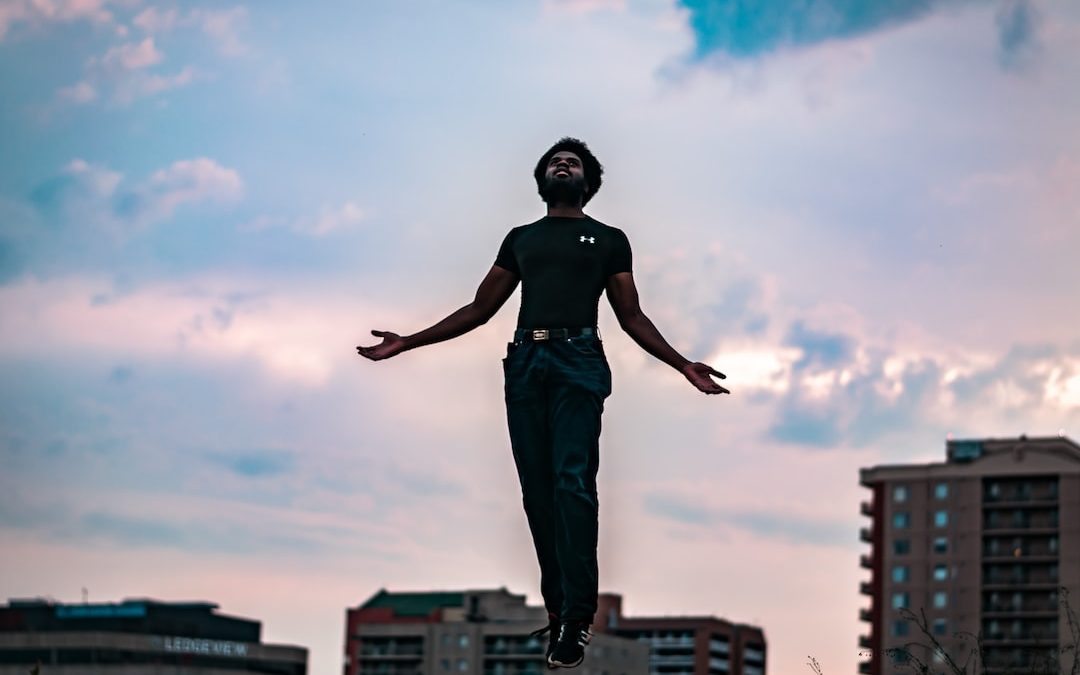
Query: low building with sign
137, 636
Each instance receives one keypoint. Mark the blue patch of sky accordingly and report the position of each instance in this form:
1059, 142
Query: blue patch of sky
1018, 33
819, 348
677, 508
749, 28
255, 463
802, 425
794, 529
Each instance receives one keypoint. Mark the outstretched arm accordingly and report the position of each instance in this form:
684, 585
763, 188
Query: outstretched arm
623, 295
490, 296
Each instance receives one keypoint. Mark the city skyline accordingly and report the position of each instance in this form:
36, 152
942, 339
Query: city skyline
867, 220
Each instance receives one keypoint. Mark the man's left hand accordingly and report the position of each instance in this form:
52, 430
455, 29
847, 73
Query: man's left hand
699, 376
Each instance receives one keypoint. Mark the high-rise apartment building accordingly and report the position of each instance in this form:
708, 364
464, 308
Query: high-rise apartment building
478, 632
135, 637
981, 544
687, 645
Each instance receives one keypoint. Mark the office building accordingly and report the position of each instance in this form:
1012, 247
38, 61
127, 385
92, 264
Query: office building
136, 636
982, 544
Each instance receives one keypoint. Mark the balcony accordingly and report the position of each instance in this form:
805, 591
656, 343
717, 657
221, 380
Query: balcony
1032, 640
1023, 613
866, 562
866, 588
671, 660
383, 650
866, 615
865, 642
865, 535
864, 668
1003, 558
866, 508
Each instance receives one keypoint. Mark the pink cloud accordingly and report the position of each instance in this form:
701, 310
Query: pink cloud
584, 6
37, 12
132, 56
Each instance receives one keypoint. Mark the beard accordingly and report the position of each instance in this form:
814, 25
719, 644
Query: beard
563, 191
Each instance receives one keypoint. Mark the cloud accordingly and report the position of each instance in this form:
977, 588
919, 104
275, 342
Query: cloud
222, 26
155, 20
184, 182
584, 6
173, 523
748, 28
784, 526
124, 71
88, 216
80, 92
330, 220
38, 12
130, 56
86, 194
1018, 23
256, 464
296, 339
862, 394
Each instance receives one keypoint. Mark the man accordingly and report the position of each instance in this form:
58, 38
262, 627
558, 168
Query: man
557, 376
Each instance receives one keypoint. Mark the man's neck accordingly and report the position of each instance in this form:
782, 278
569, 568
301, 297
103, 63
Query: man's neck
565, 211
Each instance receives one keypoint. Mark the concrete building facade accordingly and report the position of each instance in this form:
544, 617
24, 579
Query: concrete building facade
986, 543
473, 632
687, 645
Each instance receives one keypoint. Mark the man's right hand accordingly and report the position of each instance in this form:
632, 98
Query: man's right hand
391, 345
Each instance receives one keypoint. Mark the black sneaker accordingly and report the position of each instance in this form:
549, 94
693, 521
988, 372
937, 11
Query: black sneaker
552, 629
569, 651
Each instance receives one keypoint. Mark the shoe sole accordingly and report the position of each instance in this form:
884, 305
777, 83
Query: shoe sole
552, 665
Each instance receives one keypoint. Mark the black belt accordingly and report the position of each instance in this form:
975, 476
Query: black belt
542, 334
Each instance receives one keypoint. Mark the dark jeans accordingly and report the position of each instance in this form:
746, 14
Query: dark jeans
555, 393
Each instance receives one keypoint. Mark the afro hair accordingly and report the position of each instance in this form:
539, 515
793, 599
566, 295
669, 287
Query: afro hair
594, 172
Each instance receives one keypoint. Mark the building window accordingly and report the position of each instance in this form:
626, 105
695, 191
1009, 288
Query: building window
901, 519
463, 665
941, 491
941, 626
941, 573
444, 664
900, 574
941, 545
941, 518
900, 628
463, 642
941, 600
1053, 545
899, 600
900, 493
901, 546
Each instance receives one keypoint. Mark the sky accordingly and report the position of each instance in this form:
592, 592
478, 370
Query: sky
865, 214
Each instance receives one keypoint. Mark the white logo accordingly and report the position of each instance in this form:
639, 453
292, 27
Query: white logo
591, 240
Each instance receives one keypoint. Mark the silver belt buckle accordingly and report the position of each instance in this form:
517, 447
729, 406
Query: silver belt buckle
540, 334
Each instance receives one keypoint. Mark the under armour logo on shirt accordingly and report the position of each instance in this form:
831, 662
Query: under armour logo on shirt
591, 240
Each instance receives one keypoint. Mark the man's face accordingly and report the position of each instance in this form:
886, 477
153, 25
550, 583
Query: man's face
564, 178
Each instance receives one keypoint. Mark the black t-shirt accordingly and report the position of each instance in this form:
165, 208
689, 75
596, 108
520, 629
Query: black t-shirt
564, 265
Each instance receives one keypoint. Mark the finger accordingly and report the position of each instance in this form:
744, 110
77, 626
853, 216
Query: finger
717, 373
380, 333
